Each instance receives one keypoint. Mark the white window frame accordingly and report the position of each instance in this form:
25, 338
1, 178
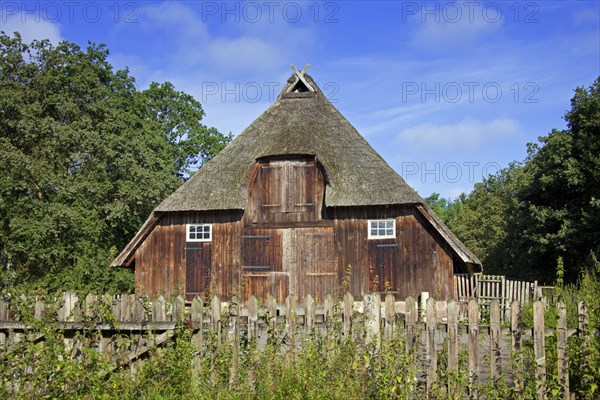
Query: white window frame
377, 236
187, 233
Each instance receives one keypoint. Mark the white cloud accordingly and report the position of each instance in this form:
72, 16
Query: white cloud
30, 28
454, 25
468, 133
228, 48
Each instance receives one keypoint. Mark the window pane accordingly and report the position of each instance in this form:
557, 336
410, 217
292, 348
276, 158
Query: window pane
206, 228
389, 224
192, 228
192, 235
389, 232
206, 235
381, 232
373, 232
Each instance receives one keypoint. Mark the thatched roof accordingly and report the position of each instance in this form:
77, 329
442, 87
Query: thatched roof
301, 122
297, 123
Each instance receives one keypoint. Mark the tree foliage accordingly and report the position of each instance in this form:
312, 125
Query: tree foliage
84, 158
523, 219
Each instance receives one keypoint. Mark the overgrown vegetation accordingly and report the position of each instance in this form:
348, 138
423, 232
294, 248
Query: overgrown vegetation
324, 365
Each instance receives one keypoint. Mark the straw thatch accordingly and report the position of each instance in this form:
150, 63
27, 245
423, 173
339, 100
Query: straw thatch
297, 123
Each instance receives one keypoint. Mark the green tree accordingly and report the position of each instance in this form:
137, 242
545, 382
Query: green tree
438, 204
483, 219
561, 205
84, 158
523, 219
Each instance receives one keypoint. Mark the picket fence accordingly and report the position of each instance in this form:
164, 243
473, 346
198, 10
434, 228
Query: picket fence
426, 327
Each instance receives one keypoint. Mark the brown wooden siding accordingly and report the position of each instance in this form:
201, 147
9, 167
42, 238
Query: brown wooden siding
423, 260
160, 262
285, 243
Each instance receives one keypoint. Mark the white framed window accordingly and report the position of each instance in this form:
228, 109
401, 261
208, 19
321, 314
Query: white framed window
382, 229
198, 232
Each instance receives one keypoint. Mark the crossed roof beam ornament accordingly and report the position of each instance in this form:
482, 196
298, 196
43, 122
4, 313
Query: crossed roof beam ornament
299, 75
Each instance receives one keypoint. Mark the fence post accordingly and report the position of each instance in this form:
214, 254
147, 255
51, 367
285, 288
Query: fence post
272, 314
309, 313
538, 348
178, 309
290, 321
563, 361
452, 347
159, 309
215, 317
234, 313
411, 322
515, 328
373, 317
197, 318
348, 310
252, 318
473, 348
389, 315
495, 339
431, 325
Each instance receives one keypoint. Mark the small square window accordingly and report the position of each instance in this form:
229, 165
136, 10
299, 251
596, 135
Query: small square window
199, 232
382, 229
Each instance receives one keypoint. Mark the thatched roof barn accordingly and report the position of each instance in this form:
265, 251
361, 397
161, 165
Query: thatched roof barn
295, 202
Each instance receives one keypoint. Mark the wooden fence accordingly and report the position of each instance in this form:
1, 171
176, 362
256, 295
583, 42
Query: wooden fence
426, 329
485, 288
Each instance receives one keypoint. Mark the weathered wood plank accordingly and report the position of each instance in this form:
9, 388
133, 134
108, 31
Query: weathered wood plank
515, 327
452, 348
539, 349
431, 326
411, 322
495, 340
348, 311
372, 318
563, 361
389, 316
473, 348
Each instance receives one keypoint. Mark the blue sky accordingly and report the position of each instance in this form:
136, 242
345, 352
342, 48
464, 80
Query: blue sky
446, 92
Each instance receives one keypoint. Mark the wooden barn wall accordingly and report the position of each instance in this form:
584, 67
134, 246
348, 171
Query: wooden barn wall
423, 259
160, 262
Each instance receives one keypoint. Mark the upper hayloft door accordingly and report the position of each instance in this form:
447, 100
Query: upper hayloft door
285, 192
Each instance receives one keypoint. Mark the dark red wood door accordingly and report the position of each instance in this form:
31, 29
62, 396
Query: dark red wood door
383, 255
197, 269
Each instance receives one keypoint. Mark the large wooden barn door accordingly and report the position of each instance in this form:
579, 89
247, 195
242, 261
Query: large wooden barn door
310, 257
383, 255
197, 268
